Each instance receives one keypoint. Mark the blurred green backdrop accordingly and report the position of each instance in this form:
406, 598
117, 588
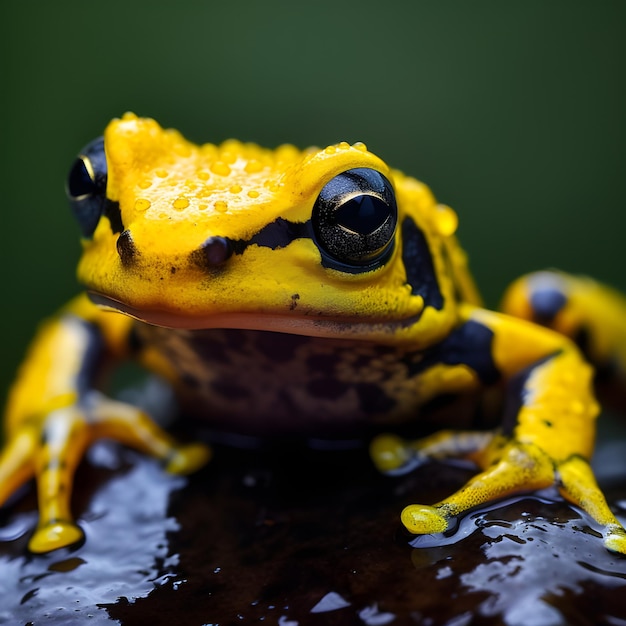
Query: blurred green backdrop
513, 112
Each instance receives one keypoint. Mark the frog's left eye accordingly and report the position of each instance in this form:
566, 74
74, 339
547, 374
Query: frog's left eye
86, 186
354, 220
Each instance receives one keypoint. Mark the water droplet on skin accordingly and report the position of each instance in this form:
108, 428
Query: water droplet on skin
254, 166
446, 220
141, 204
220, 168
181, 203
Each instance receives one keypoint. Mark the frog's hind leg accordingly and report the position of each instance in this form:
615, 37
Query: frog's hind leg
586, 311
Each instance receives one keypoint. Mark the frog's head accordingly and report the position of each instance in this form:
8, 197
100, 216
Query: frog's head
317, 242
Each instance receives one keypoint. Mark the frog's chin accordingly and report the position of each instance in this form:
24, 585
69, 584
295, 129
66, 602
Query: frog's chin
308, 325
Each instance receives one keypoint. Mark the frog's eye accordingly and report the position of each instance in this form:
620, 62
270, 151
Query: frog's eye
354, 220
86, 186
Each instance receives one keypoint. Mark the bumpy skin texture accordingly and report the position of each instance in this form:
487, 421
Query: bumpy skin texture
279, 296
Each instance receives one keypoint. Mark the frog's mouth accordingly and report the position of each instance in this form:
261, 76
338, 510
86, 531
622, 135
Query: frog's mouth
307, 325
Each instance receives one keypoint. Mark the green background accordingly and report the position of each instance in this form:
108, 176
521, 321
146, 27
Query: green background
513, 112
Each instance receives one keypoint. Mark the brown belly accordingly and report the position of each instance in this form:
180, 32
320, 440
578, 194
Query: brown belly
264, 383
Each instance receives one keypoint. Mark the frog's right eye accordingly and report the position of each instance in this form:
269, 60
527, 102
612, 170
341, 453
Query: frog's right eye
86, 186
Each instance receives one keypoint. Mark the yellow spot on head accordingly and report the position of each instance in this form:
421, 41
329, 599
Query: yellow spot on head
144, 184
221, 206
253, 194
235, 189
161, 173
359, 145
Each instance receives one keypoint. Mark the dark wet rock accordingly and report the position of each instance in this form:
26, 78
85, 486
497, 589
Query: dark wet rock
304, 538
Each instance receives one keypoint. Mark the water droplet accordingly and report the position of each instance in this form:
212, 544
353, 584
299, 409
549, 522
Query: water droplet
141, 204
220, 168
253, 166
181, 203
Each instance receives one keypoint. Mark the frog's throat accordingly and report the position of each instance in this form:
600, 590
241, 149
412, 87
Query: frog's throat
310, 326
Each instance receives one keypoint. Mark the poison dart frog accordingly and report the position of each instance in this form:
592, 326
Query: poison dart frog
311, 293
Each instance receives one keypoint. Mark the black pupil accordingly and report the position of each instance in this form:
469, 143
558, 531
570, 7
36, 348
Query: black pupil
79, 182
362, 214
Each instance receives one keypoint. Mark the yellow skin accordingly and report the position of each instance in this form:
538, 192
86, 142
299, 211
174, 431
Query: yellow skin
192, 240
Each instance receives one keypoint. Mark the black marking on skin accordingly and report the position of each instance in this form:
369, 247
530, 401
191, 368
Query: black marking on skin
278, 346
126, 248
230, 389
328, 387
418, 263
605, 371
294, 301
190, 380
546, 303
134, 341
373, 399
279, 234
213, 252
515, 396
91, 356
469, 344
112, 211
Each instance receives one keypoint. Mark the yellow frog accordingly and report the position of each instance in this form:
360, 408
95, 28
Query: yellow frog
291, 293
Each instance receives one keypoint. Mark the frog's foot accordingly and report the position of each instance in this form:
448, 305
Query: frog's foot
50, 449
393, 455
423, 520
513, 468
578, 485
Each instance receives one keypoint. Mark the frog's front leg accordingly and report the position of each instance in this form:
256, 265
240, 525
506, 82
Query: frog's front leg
54, 414
547, 437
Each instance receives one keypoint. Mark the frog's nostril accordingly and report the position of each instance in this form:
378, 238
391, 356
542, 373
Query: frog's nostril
126, 247
213, 252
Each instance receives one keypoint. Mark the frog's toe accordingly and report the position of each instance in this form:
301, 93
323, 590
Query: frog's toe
420, 519
55, 535
188, 458
615, 539
392, 455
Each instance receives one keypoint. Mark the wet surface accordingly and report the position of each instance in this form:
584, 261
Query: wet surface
300, 537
